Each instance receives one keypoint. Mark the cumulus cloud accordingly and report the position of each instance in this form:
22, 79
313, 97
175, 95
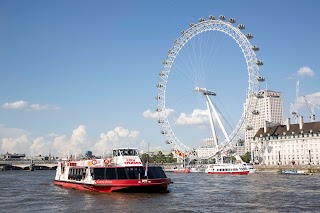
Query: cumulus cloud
15, 105
7, 132
77, 143
23, 105
78, 135
119, 137
15, 145
305, 71
197, 117
61, 145
17, 142
39, 147
313, 99
152, 114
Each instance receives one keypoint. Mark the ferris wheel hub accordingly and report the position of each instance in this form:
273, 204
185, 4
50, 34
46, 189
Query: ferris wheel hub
205, 91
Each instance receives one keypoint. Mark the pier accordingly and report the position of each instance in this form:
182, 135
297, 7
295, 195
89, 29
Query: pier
276, 168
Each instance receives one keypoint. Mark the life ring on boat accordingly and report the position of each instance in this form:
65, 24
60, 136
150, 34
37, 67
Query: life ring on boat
94, 161
107, 161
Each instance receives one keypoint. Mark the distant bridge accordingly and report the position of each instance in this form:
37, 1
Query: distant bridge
26, 164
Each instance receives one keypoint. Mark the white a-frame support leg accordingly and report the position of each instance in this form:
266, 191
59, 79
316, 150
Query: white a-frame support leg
218, 119
215, 140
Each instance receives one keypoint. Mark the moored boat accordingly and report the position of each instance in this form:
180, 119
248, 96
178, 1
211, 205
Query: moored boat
292, 172
227, 169
123, 171
181, 170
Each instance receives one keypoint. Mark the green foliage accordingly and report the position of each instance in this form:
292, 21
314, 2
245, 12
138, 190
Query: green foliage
158, 158
246, 157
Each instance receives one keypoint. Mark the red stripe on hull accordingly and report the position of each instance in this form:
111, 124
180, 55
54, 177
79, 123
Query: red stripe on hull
154, 185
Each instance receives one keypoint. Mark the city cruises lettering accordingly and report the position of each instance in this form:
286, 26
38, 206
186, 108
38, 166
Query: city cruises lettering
103, 181
132, 161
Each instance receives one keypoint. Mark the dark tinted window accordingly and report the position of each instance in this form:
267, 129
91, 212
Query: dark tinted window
111, 173
132, 173
98, 174
156, 172
121, 173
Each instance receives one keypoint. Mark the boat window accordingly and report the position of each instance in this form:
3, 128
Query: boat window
133, 152
132, 173
98, 174
121, 173
125, 152
110, 174
156, 172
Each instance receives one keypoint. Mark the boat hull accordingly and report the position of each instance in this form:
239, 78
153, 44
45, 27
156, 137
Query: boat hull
105, 186
181, 170
229, 173
252, 171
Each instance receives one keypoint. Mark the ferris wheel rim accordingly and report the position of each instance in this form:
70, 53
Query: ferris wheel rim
196, 29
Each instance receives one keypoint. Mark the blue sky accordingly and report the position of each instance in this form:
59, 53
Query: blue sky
78, 75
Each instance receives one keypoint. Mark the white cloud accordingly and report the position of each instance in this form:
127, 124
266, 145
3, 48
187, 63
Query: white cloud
197, 117
38, 107
7, 132
119, 137
15, 145
60, 145
313, 98
305, 71
23, 105
152, 114
78, 135
39, 147
76, 144
15, 105
17, 141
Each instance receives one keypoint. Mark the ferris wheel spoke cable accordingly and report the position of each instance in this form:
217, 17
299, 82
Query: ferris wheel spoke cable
226, 112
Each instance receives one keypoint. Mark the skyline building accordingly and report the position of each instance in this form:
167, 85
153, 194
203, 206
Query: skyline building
268, 109
290, 144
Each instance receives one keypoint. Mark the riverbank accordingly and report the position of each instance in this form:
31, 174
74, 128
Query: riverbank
272, 168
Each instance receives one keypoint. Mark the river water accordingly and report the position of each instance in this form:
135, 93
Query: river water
25, 191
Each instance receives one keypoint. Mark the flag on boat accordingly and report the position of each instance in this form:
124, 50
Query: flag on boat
146, 170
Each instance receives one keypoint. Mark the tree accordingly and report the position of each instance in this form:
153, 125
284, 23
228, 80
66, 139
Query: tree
146, 157
246, 157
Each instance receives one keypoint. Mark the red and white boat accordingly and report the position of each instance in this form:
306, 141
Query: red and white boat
181, 170
121, 172
227, 169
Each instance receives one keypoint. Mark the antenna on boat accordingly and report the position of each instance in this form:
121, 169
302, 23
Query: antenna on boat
147, 163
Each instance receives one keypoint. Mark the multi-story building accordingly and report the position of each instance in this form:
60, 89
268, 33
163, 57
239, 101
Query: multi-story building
268, 107
208, 149
297, 144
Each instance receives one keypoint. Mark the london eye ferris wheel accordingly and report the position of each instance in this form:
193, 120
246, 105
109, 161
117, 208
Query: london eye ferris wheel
203, 89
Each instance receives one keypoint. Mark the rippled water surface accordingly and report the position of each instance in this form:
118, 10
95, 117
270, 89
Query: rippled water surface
24, 191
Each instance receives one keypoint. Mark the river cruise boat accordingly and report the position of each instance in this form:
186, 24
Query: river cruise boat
250, 167
123, 171
227, 169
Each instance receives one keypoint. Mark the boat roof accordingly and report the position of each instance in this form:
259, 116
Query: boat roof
123, 148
